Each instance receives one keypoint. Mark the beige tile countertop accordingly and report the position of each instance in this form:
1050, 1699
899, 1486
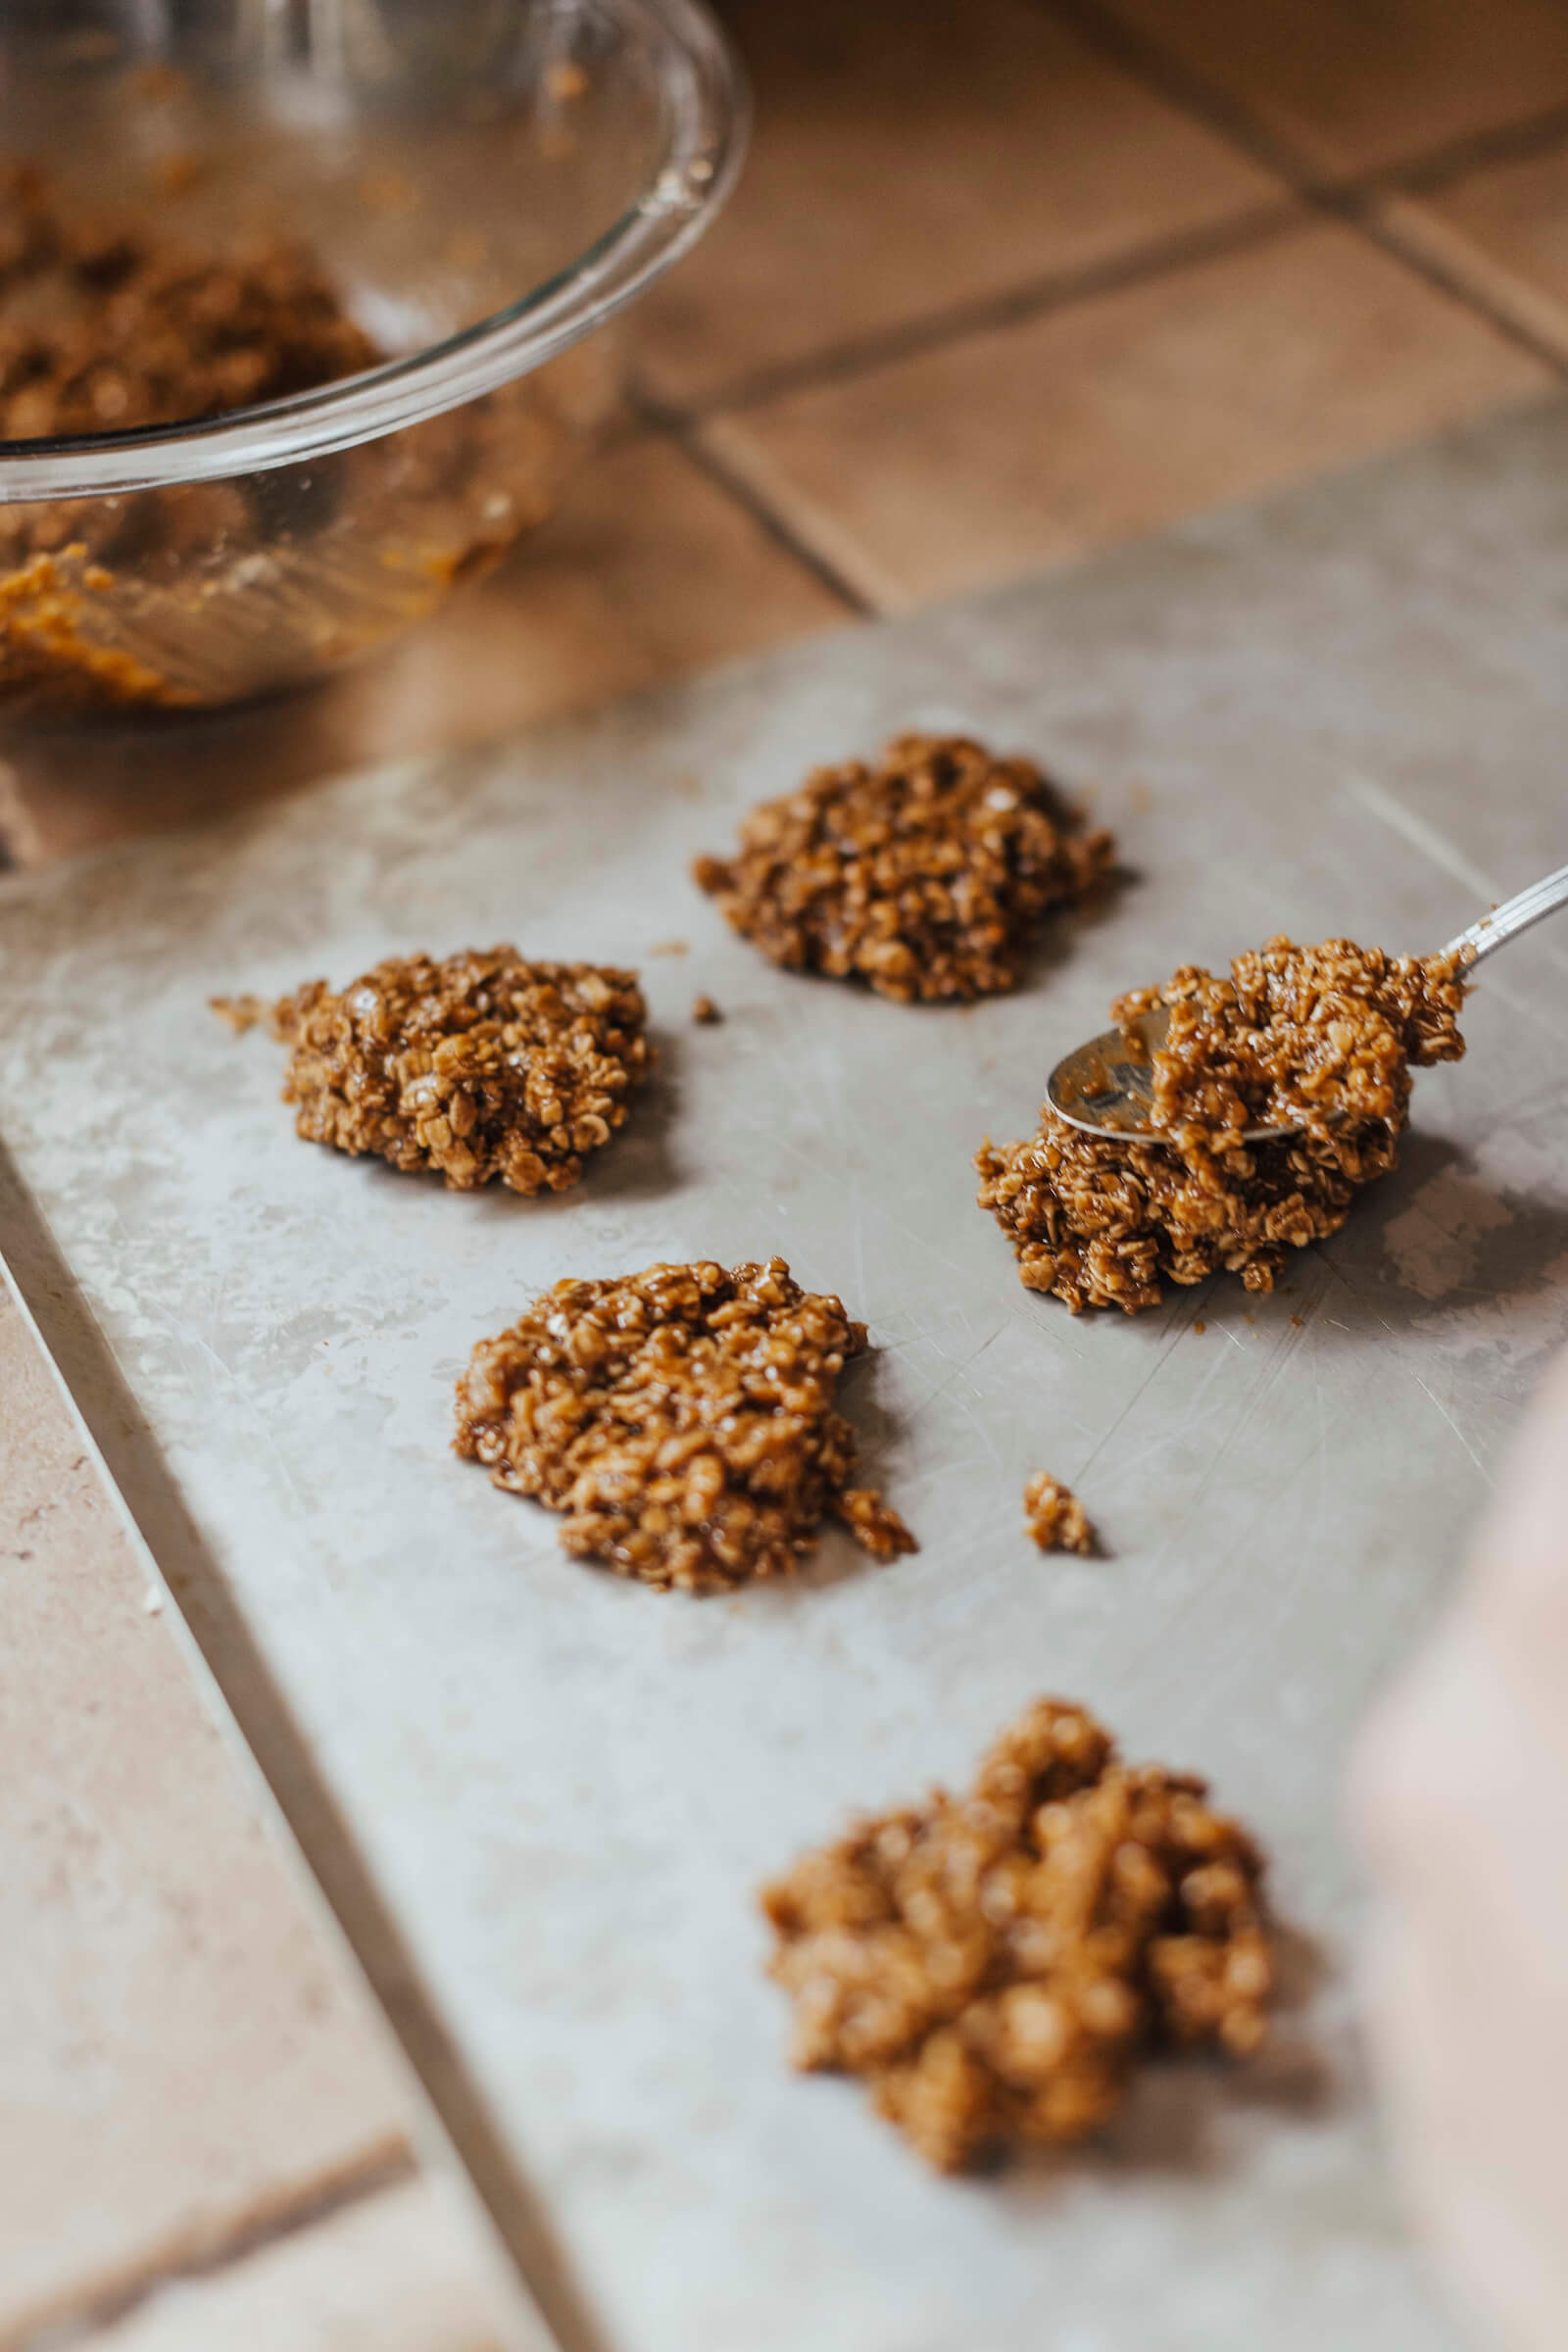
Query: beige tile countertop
194, 2079
1007, 280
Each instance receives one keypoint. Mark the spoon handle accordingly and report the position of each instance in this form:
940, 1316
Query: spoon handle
1516, 914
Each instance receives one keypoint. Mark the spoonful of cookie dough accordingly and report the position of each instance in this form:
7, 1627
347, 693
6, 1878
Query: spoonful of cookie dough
1294, 1041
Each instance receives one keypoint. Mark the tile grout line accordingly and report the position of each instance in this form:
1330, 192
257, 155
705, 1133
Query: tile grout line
1027, 299
1531, 320
1368, 204
60, 2327
683, 432
1192, 92
1379, 205
1521, 140
685, 427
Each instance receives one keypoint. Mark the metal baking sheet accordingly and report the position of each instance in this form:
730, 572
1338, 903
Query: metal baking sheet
1339, 713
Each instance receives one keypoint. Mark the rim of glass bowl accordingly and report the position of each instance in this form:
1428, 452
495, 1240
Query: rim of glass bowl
707, 118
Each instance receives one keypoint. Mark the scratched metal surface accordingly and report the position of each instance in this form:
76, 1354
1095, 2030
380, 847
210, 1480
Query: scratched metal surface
1339, 713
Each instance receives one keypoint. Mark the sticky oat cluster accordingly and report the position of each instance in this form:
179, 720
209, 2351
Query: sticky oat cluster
682, 1419
1054, 1517
993, 1964
1323, 1037
476, 1067
924, 874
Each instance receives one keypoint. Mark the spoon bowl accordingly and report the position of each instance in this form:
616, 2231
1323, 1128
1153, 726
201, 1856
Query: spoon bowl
1106, 1086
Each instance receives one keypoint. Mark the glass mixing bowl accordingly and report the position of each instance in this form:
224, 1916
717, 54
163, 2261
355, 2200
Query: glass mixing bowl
486, 182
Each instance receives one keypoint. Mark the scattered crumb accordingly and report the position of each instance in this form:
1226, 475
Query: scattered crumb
1322, 1037
566, 80
1200, 1327
706, 1011
1055, 1516
479, 1065
925, 876
1298, 1322
670, 947
995, 1965
242, 1012
683, 1420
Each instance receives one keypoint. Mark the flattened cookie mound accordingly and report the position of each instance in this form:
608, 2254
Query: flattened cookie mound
1055, 1516
924, 874
1323, 1034
479, 1065
995, 1965
682, 1419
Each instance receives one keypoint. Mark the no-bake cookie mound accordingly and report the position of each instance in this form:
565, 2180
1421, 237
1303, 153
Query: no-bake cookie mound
1320, 1036
924, 874
995, 1964
479, 1065
682, 1419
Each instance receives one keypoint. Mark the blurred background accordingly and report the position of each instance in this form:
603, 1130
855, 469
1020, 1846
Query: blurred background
1004, 280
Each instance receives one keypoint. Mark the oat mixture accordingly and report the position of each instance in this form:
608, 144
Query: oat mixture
479, 1065
1055, 1516
109, 325
995, 1964
199, 593
925, 875
1323, 1034
682, 1419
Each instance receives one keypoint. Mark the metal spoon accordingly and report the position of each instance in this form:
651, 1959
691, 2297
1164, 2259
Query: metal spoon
1100, 1088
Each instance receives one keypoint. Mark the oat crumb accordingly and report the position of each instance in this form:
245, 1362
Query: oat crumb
1055, 1516
995, 1965
241, 1012
706, 1012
